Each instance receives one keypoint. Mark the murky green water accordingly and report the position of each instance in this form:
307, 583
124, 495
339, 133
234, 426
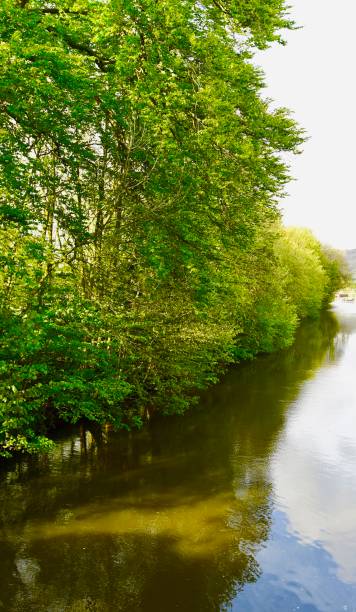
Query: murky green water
248, 503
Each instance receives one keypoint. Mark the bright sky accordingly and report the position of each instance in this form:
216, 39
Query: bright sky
315, 76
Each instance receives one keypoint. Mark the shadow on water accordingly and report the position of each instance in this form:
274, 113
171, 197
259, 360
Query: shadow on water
167, 518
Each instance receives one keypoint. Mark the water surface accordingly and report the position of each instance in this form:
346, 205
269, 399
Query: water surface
248, 503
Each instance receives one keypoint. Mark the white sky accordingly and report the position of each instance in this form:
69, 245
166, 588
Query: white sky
315, 76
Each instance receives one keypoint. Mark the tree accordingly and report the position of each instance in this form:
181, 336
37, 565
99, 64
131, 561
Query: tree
141, 171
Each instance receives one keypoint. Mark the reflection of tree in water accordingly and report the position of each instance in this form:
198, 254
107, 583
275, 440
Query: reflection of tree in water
167, 518
347, 327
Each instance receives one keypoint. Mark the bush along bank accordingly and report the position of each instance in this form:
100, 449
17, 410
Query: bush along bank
66, 358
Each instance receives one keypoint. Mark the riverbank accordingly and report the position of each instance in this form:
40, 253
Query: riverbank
70, 359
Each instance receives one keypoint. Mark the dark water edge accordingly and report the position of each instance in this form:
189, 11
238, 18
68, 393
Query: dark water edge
248, 502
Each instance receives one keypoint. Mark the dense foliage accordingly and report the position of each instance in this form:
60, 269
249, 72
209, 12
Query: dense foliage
140, 243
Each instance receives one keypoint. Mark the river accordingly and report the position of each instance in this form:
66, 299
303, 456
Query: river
247, 503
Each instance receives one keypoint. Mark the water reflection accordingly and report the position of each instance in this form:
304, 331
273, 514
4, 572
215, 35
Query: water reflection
319, 451
180, 515
310, 560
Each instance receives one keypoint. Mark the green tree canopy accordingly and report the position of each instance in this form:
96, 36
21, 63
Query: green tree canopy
140, 173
